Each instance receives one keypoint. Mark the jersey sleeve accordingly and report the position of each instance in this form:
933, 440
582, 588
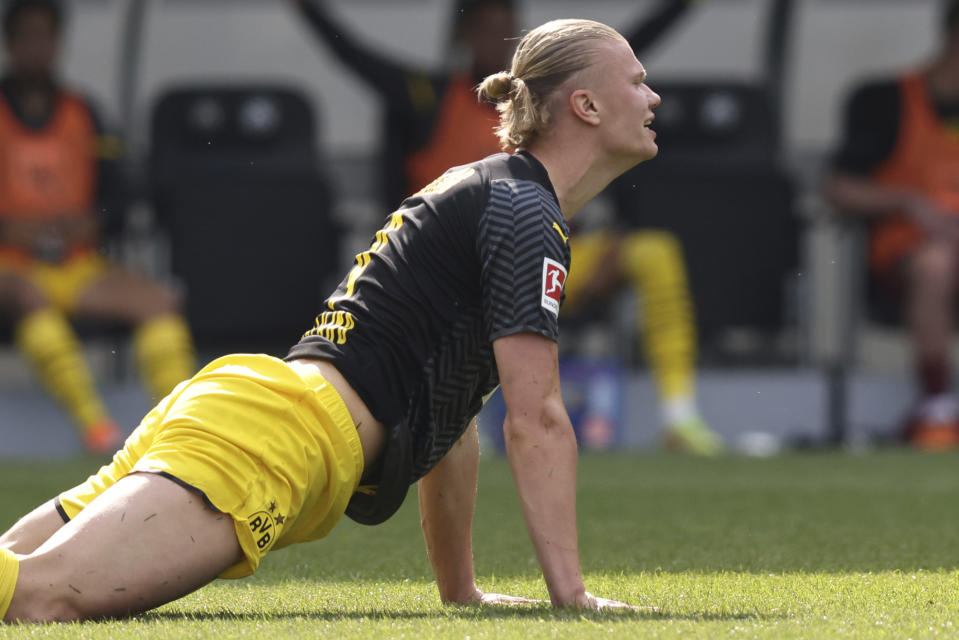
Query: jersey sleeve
524, 260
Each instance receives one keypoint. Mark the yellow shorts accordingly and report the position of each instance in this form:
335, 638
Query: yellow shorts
266, 442
62, 283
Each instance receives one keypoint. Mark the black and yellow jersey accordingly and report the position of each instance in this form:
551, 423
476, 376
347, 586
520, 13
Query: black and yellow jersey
478, 254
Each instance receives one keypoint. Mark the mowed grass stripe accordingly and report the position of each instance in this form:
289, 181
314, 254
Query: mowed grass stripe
797, 546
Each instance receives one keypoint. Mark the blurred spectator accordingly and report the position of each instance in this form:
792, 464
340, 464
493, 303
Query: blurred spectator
898, 167
59, 190
433, 120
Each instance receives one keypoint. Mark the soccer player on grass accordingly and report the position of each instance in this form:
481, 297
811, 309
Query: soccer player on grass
432, 121
457, 294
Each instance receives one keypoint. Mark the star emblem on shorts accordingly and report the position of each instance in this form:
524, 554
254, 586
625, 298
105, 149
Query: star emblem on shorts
280, 519
272, 506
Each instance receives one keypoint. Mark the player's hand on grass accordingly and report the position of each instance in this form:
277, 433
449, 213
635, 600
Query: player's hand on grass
480, 598
589, 601
503, 599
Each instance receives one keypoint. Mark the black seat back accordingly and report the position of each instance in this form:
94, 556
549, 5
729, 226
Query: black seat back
238, 185
717, 185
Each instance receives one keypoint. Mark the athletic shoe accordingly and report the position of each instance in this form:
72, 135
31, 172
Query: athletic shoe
693, 436
933, 435
102, 437
934, 424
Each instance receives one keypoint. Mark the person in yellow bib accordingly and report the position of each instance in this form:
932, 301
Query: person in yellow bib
459, 292
58, 187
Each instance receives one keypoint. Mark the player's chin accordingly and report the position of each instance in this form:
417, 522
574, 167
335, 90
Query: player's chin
640, 153
648, 152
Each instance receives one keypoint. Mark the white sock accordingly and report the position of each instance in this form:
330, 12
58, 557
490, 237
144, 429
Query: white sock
941, 407
679, 409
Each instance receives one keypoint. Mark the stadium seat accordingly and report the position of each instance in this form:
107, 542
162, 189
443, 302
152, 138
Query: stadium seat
238, 186
717, 184
712, 124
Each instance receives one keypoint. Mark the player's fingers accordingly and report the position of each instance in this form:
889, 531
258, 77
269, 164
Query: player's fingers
499, 598
604, 604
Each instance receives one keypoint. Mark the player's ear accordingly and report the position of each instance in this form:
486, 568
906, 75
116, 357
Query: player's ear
583, 104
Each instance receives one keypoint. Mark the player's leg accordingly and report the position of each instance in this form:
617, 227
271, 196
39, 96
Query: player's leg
594, 270
33, 529
653, 263
652, 260
162, 342
931, 281
144, 542
48, 342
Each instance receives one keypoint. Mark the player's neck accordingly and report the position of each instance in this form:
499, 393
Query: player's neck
577, 176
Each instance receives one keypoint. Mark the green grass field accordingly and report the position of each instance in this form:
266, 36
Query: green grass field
798, 546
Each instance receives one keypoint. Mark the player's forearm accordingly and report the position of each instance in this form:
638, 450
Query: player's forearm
447, 497
862, 196
542, 455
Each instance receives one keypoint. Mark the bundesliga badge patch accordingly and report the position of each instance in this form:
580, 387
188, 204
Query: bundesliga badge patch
554, 278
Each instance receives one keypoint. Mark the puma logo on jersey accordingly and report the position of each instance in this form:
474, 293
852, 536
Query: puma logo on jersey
560, 232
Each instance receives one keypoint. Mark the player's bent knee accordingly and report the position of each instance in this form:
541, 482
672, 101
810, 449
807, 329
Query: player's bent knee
50, 611
19, 297
162, 302
33, 603
99, 568
934, 263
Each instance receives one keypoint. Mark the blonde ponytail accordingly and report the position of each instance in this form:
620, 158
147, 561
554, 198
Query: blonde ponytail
545, 58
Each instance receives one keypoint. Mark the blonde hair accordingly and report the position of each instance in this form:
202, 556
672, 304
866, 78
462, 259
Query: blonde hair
546, 57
